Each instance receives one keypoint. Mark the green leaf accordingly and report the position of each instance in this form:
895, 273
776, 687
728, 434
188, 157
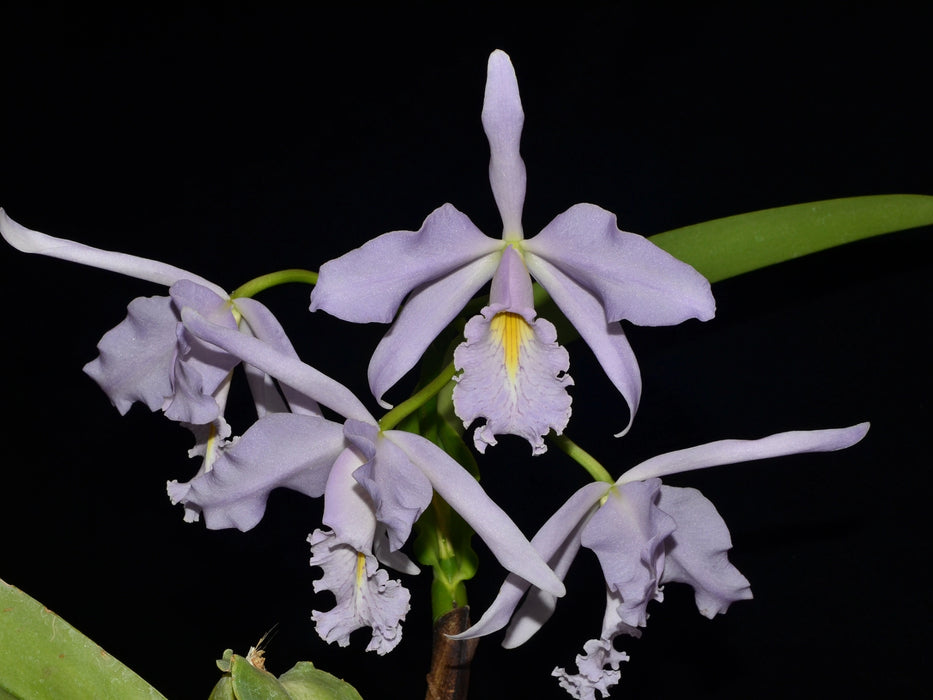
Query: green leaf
42, 656
251, 683
304, 682
247, 679
727, 247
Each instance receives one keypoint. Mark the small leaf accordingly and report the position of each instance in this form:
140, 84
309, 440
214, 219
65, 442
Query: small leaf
251, 683
305, 682
42, 656
727, 247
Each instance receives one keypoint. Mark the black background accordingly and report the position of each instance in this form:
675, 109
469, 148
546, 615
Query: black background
237, 141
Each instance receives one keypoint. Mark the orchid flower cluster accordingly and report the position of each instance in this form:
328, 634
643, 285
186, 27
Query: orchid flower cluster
507, 375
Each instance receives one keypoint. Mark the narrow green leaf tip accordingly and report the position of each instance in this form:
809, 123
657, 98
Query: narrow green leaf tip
724, 248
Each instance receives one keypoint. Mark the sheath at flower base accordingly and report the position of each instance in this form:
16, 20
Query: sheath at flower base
597, 275
394, 474
149, 357
644, 534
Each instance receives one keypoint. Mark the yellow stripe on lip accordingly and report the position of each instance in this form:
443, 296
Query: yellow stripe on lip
510, 331
360, 569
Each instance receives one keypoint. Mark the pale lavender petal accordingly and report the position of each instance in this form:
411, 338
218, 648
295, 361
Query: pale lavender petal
398, 560
29, 241
288, 370
697, 551
514, 372
539, 605
209, 441
632, 278
348, 509
399, 491
502, 121
199, 368
426, 313
558, 542
606, 340
514, 376
137, 356
714, 454
369, 283
279, 450
511, 285
613, 625
627, 535
593, 676
464, 494
260, 322
365, 595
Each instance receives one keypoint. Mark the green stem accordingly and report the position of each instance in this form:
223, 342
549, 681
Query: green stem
583, 458
418, 399
273, 279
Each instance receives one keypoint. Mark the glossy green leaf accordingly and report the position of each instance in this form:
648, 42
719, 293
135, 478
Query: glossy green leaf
727, 247
242, 680
305, 682
42, 656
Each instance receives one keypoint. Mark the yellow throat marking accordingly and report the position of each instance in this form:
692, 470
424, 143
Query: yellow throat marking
360, 569
510, 331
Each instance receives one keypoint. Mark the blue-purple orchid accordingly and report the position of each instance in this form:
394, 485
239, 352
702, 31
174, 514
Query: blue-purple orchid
149, 357
514, 374
645, 534
376, 483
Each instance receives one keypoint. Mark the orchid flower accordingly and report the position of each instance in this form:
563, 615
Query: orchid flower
644, 534
514, 374
394, 474
149, 357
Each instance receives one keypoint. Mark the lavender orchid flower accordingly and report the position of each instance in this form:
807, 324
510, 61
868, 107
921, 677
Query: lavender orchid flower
149, 357
644, 534
375, 484
514, 374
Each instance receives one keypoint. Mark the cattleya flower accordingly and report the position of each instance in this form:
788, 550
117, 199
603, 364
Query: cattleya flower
644, 534
151, 358
514, 374
376, 483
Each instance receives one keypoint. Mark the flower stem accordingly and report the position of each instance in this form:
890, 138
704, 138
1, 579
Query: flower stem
583, 458
273, 279
418, 399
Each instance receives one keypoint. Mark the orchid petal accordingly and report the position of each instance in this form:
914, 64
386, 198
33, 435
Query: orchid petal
539, 605
365, 595
209, 441
288, 370
281, 449
260, 322
697, 551
627, 535
721, 452
592, 676
137, 356
502, 121
606, 340
398, 560
514, 372
399, 490
369, 283
428, 311
632, 278
558, 542
348, 509
464, 494
199, 368
29, 241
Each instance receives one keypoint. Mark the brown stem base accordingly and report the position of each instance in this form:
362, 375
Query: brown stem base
449, 677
